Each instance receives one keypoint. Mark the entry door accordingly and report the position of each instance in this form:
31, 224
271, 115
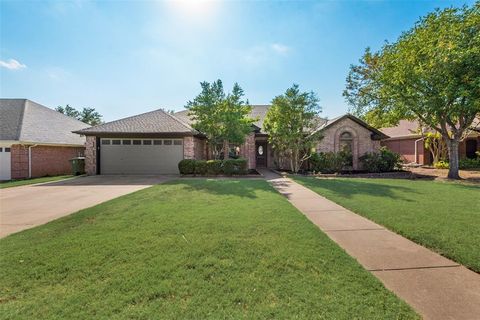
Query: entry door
261, 154
471, 148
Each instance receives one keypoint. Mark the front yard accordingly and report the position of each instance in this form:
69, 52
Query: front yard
443, 216
188, 249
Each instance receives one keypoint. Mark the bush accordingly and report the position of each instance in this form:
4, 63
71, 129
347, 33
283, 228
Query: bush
186, 166
234, 166
382, 161
469, 163
201, 167
329, 162
441, 165
214, 167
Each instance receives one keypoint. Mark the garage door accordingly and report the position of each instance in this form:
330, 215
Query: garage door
140, 156
5, 163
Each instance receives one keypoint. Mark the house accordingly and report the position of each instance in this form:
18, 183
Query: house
407, 140
154, 142
36, 141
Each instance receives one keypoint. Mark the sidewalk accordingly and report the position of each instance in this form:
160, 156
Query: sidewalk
436, 287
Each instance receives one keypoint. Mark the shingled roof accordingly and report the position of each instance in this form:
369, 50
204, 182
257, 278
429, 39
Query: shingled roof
157, 121
377, 134
29, 122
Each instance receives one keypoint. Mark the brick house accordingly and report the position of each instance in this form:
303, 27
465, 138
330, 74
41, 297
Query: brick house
407, 140
36, 141
154, 142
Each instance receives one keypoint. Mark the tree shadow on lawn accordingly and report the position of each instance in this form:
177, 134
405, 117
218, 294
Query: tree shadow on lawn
225, 187
347, 188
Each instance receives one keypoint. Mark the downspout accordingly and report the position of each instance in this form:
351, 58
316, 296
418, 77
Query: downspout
30, 160
416, 149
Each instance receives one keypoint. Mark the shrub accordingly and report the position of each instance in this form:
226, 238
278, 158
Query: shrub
441, 165
201, 167
186, 166
214, 167
469, 163
382, 161
329, 162
234, 166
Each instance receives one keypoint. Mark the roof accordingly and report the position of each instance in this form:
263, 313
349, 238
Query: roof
157, 121
378, 135
29, 122
405, 128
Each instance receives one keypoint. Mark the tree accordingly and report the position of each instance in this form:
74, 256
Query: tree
436, 145
430, 74
291, 125
222, 118
86, 115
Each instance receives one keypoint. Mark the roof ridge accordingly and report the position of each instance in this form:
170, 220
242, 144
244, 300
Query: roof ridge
122, 119
22, 118
180, 121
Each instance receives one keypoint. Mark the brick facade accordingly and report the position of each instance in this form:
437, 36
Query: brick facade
406, 148
247, 150
361, 143
91, 155
46, 160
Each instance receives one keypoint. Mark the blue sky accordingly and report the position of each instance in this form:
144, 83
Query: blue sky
124, 58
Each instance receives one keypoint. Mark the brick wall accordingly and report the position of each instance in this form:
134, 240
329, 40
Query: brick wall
46, 160
362, 141
91, 155
200, 149
188, 148
406, 148
247, 150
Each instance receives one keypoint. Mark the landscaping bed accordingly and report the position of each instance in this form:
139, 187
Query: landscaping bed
188, 249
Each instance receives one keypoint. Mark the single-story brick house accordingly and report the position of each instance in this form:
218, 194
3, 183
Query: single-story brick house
406, 140
36, 141
154, 142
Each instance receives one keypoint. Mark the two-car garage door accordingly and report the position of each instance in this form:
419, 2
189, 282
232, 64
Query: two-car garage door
140, 156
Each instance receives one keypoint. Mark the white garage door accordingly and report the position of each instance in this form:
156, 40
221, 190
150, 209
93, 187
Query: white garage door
140, 156
5, 163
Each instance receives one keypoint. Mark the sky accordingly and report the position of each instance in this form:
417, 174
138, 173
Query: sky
127, 57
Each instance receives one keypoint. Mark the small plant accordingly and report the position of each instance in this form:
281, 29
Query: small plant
201, 167
330, 162
234, 166
382, 161
214, 167
186, 166
441, 165
469, 163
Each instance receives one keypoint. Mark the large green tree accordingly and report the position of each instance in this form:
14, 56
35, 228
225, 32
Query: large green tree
86, 115
291, 123
223, 118
430, 74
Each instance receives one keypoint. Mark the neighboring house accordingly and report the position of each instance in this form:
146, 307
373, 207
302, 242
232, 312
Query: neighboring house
154, 142
36, 141
406, 139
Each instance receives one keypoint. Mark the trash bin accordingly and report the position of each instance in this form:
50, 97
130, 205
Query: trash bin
78, 165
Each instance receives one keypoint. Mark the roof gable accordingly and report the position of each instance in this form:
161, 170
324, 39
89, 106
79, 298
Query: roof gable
376, 134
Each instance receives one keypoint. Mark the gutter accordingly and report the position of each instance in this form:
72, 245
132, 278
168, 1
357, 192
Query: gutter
30, 160
416, 149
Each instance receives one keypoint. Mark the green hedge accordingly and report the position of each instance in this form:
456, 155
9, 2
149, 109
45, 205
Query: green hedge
213, 167
382, 161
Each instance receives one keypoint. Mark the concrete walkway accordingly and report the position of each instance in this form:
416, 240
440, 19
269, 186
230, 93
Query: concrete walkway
28, 206
436, 287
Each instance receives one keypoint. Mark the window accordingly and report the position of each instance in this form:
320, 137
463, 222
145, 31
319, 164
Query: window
260, 150
1, 149
346, 145
137, 142
7, 149
157, 142
167, 142
127, 142
105, 141
177, 142
147, 142
117, 142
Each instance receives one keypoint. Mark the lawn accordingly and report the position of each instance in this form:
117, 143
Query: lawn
443, 216
23, 182
188, 249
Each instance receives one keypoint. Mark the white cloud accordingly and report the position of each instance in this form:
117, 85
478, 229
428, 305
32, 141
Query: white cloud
12, 64
280, 48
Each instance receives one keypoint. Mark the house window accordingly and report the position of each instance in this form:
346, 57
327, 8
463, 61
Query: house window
177, 142
105, 141
137, 142
127, 142
116, 142
147, 142
1, 149
157, 142
167, 142
346, 145
7, 149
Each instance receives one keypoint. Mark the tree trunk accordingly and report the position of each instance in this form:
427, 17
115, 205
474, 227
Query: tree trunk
226, 149
453, 159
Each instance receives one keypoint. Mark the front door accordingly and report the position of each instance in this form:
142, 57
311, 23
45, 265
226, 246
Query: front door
261, 153
471, 148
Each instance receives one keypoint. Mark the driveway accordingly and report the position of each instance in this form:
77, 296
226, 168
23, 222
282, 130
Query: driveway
29, 206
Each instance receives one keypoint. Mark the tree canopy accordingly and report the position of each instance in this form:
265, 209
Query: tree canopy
87, 115
291, 125
430, 74
223, 118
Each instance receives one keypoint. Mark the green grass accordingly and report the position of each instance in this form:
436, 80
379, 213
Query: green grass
443, 216
188, 249
24, 182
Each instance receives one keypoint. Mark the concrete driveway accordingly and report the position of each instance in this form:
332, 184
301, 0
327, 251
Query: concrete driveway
29, 206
